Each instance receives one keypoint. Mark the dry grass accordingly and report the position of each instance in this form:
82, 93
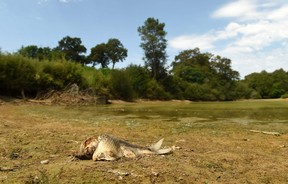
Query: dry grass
215, 141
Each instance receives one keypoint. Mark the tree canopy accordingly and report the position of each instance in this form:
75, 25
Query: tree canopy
99, 55
73, 49
116, 51
105, 53
154, 44
35, 52
199, 73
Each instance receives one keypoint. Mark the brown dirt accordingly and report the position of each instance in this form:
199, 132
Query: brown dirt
219, 153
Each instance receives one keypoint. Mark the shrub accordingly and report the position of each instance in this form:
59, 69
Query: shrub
139, 78
156, 91
17, 74
285, 95
121, 86
58, 74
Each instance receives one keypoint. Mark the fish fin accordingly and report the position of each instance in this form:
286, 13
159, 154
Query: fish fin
164, 151
155, 147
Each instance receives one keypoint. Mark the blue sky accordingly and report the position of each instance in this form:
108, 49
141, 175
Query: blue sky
252, 33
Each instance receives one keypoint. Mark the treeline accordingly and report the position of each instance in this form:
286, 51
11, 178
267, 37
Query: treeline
192, 75
72, 49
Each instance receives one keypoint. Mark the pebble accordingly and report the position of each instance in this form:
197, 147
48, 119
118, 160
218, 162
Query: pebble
44, 161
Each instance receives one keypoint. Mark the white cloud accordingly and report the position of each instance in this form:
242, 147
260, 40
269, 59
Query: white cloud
259, 61
240, 8
188, 41
255, 39
279, 14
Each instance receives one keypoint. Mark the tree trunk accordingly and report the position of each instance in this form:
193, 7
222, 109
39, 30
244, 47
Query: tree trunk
23, 93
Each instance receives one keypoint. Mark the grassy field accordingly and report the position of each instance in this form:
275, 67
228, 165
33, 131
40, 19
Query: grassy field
214, 141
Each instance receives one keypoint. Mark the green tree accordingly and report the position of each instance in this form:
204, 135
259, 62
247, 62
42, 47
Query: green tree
17, 74
280, 83
57, 75
121, 86
192, 66
30, 51
73, 49
212, 74
191, 69
156, 91
44, 53
222, 67
224, 80
105, 53
260, 82
268, 85
99, 55
35, 52
139, 77
154, 44
115, 51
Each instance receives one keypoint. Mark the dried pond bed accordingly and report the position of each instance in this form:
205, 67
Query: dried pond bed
214, 141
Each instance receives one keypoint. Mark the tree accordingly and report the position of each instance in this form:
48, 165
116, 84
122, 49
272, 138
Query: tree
139, 77
198, 72
44, 53
17, 73
192, 66
72, 48
121, 86
268, 85
30, 51
35, 52
260, 82
104, 53
154, 45
115, 51
99, 55
222, 67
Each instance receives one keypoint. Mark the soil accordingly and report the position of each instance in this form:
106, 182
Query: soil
37, 141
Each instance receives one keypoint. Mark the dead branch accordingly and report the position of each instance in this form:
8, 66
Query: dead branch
266, 132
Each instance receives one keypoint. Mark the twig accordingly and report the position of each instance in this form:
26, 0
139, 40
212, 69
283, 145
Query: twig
266, 132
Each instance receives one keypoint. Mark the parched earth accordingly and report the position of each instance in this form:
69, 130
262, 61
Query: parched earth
38, 140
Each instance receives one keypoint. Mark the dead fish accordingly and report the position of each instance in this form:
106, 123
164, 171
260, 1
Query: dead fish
110, 148
87, 149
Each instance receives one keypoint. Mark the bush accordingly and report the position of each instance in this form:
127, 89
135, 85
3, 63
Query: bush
121, 86
139, 78
193, 92
156, 91
242, 90
17, 74
96, 80
255, 95
285, 95
58, 74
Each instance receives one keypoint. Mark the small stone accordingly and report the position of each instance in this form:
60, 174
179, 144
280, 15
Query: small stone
155, 173
6, 169
175, 147
44, 161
